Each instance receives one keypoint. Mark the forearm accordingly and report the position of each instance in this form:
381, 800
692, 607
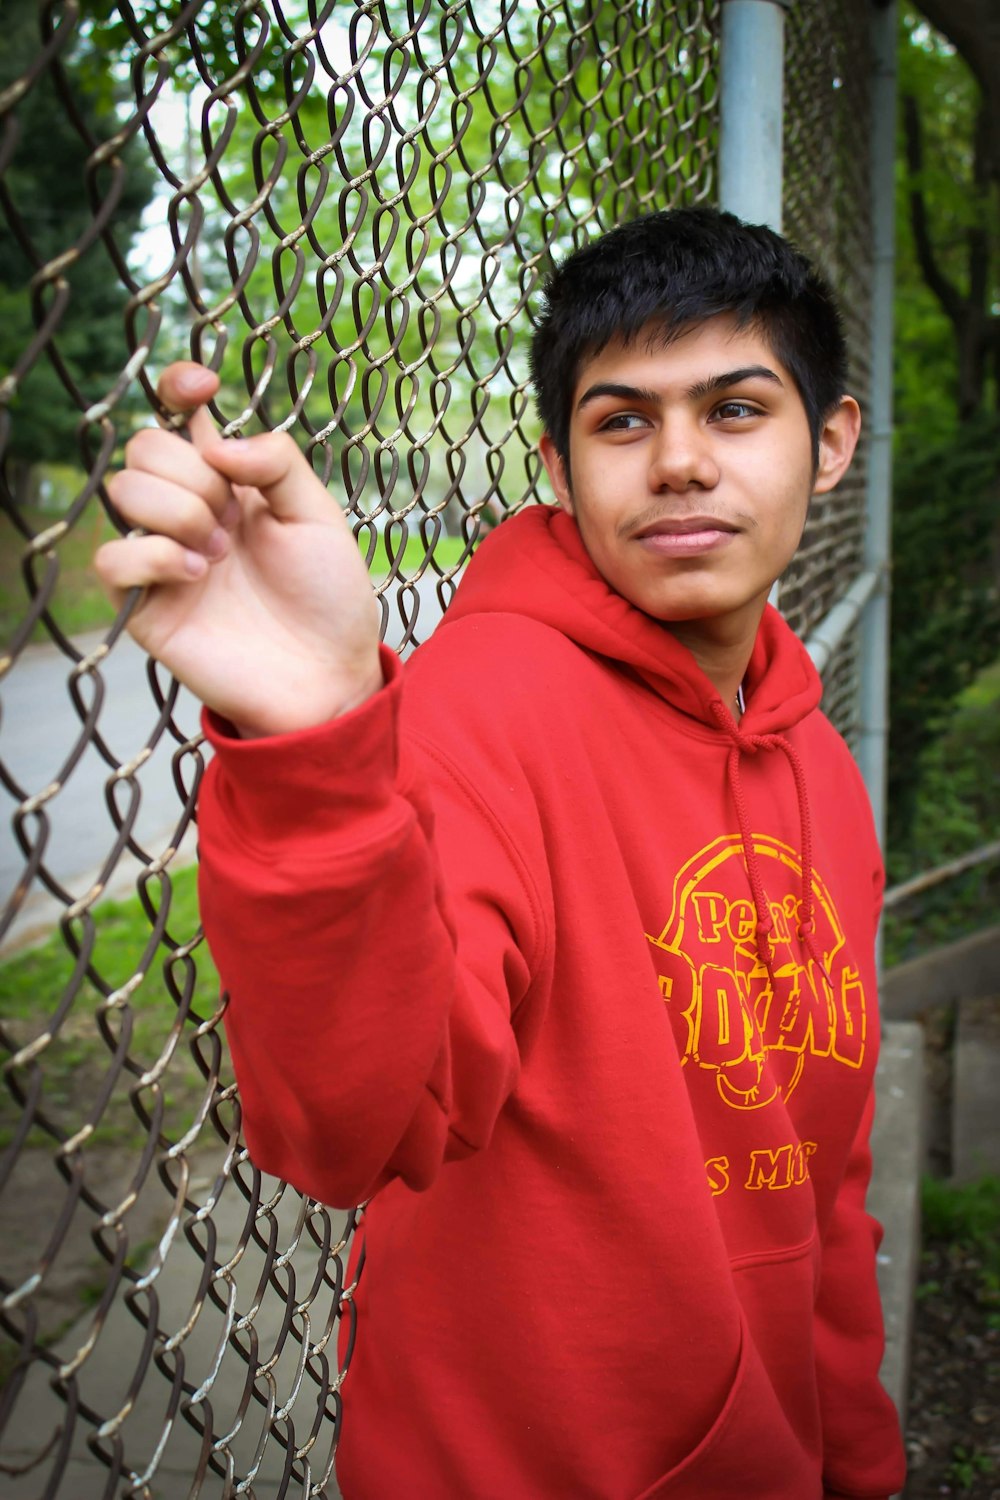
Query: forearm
364, 1046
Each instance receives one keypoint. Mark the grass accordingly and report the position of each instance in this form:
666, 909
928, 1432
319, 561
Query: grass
76, 1063
967, 1213
967, 1465
448, 553
967, 1216
75, 1066
78, 602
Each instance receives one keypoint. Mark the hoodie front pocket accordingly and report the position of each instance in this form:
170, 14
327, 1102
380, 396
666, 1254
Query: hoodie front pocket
750, 1449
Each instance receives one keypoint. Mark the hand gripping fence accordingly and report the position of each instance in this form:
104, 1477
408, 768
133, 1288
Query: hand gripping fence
345, 210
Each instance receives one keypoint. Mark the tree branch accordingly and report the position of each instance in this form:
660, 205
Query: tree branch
978, 236
946, 293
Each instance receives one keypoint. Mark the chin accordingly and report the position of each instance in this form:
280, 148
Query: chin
674, 611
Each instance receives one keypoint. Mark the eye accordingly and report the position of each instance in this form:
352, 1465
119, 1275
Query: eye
734, 410
623, 421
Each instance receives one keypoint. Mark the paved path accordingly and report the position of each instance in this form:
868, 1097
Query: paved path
108, 1371
38, 730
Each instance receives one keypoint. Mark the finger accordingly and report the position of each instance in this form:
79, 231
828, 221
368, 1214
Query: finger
188, 387
150, 452
274, 464
142, 561
169, 509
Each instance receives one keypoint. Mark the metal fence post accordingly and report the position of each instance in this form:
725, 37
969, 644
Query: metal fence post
873, 737
751, 105
751, 116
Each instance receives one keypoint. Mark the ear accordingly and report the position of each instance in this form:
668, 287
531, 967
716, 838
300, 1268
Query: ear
837, 442
556, 470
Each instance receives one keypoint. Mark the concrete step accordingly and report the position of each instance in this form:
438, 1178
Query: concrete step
968, 969
975, 1115
894, 1197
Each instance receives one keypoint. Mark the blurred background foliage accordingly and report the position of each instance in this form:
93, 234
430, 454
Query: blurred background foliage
944, 748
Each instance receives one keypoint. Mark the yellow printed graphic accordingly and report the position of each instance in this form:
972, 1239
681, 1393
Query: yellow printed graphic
717, 1172
753, 1028
788, 1166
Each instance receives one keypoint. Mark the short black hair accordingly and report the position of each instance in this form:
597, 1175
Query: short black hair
670, 270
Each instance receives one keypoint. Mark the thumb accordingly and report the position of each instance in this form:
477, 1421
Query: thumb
273, 463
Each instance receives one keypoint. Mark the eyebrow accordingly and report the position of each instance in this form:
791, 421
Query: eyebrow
733, 377
721, 382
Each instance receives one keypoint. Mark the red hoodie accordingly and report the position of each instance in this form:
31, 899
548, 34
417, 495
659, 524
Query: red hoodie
575, 976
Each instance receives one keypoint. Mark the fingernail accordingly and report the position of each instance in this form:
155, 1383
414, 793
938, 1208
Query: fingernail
194, 564
217, 544
231, 514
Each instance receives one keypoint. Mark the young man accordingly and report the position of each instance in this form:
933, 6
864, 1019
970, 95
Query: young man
557, 943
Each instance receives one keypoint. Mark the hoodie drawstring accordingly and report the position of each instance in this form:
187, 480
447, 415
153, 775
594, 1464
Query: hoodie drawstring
750, 744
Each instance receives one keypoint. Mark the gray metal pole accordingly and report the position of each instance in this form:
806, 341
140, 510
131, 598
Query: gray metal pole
873, 740
751, 116
751, 109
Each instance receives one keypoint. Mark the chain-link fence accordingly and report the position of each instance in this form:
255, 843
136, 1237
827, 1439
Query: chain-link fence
345, 210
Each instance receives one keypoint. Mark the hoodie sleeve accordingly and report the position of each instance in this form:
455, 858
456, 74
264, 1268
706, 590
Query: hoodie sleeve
862, 1447
369, 1041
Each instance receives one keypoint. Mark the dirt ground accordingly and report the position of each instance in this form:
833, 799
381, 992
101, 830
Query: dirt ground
953, 1431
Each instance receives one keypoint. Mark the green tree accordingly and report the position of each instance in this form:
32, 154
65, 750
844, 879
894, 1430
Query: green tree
49, 202
946, 606
946, 526
951, 229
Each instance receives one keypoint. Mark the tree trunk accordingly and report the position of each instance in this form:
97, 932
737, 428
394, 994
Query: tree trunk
970, 314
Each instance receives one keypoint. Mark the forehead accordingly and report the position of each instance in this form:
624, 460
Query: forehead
661, 357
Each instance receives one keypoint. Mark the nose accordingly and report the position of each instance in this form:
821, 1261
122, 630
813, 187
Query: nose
682, 457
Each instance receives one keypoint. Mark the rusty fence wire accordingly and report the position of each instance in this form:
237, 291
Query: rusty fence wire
827, 210
344, 209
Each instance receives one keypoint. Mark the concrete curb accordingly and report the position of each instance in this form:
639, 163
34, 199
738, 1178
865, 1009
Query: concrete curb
894, 1197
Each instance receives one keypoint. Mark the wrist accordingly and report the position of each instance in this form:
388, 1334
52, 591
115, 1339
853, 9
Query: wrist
309, 710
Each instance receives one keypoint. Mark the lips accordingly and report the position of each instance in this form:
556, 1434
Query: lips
681, 526
685, 536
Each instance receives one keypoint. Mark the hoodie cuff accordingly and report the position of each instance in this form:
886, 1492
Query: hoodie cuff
312, 778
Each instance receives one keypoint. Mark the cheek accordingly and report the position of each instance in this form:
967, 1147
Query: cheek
789, 517
594, 508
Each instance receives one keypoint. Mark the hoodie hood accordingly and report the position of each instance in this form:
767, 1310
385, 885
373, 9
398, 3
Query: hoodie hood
535, 564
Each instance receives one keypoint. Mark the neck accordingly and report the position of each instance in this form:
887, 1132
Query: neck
722, 655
